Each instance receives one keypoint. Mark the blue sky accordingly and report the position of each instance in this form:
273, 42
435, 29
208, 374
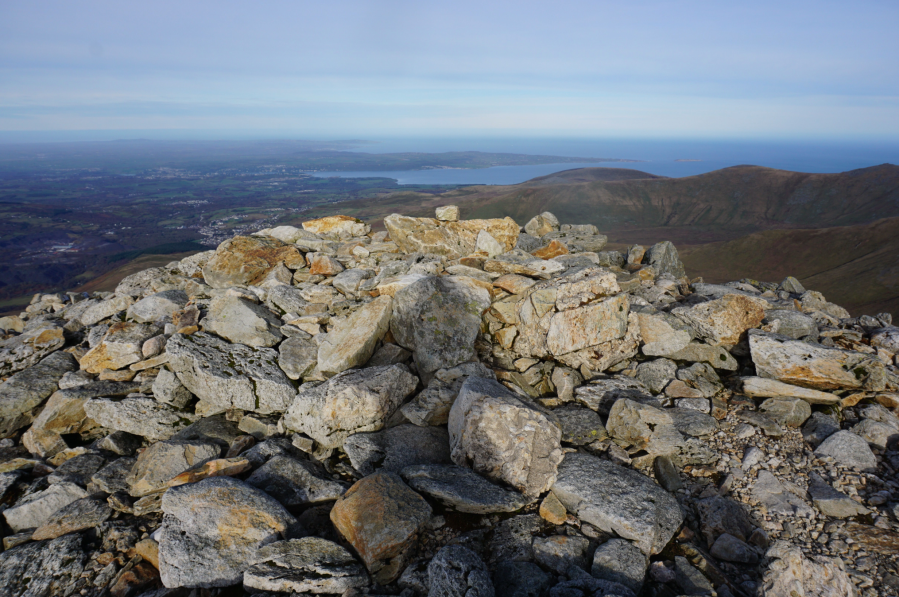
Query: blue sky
771, 70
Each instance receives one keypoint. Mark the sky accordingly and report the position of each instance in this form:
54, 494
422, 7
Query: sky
346, 69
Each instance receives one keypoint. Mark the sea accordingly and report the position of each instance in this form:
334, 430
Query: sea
672, 158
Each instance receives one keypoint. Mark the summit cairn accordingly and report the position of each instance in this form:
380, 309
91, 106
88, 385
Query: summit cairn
447, 407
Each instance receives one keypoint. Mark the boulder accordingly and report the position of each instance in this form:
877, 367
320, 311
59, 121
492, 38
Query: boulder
777, 499
453, 239
381, 518
352, 341
438, 319
625, 502
36, 508
351, 402
504, 438
230, 375
432, 405
812, 365
121, 346
157, 307
792, 574
622, 562
307, 565
791, 412
664, 259
848, 449
462, 489
241, 321
244, 260
27, 389
542, 224
396, 448
139, 415
163, 460
337, 227
716, 356
760, 387
43, 568
79, 515
295, 482
211, 531
723, 321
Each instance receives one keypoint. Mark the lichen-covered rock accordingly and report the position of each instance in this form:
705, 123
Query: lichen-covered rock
168, 389
625, 502
462, 489
212, 529
352, 341
26, 349
298, 356
351, 402
438, 319
381, 518
121, 346
35, 509
157, 307
242, 321
162, 461
456, 571
139, 415
27, 389
43, 568
79, 515
644, 427
792, 574
432, 405
309, 564
724, 321
396, 448
337, 227
452, 239
244, 260
504, 438
759, 387
230, 375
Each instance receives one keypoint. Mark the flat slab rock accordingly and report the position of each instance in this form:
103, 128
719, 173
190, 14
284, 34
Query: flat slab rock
309, 564
462, 489
42, 568
398, 447
295, 482
625, 502
230, 375
141, 416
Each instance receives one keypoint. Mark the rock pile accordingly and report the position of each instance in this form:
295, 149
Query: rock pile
448, 407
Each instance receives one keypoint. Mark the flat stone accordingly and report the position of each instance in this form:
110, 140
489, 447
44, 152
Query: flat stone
719, 515
398, 447
776, 499
503, 438
452, 239
759, 387
849, 450
662, 334
298, 356
730, 549
158, 306
244, 260
878, 435
818, 428
77, 469
831, 502
27, 389
762, 421
580, 425
791, 412
622, 562
121, 346
447, 213
381, 518
141, 416
656, 374
603, 392
352, 342
230, 375
354, 401
112, 477
692, 422
513, 283
337, 227
552, 511
811, 365
79, 515
560, 552
212, 529
163, 460
462, 489
309, 564
791, 573
220, 467
35, 509
788, 322
295, 482
242, 321
43, 568
724, 321
626, 502
716, 356
582, 584
438, 319
105, 309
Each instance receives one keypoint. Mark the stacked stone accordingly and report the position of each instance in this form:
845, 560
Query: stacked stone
446, 407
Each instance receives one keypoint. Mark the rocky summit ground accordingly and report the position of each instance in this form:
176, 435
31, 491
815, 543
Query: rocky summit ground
446, 408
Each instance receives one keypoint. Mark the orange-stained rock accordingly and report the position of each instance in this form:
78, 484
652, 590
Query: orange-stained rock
552, 510
553, 249
381, 517
148, 549
245, 260
451, 239
222, 467
514, 283
337, 227
724, 321
142, 575
324, 265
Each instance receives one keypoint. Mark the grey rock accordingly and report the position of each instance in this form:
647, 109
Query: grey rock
626, 502
849, 450
286, 299
354, 401
462, 489
878, 435
42, 568
876, 412
79, 515
692, 422
295, 482
122, 345
730, 549
762, 421
432, 405
216, 429
792, 285
167, 388
504, 438
542, 224
716, 356
620, 561
788, 322
701, 377
513, 538
309, 564
259, 426
241, 321
776, 498
656, 374
27, 389
77, 470
163, 460
438, 319
579, 242
831, 502
886, 337
792, 573
212, 530
666, 473
818, 428
720, 515
528, 243
561, 552
520, 579
347, 281
100, 311
581, 584
112, 477
791, 412
566, 381
35, 509
600, 394
230, 375
665, 260
297, 356
140, 415
388, 354
157, 307
398, 447
690, 580
352, 341
458, 572
644, 427
580, 425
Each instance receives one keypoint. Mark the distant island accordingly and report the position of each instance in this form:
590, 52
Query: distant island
687, 160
